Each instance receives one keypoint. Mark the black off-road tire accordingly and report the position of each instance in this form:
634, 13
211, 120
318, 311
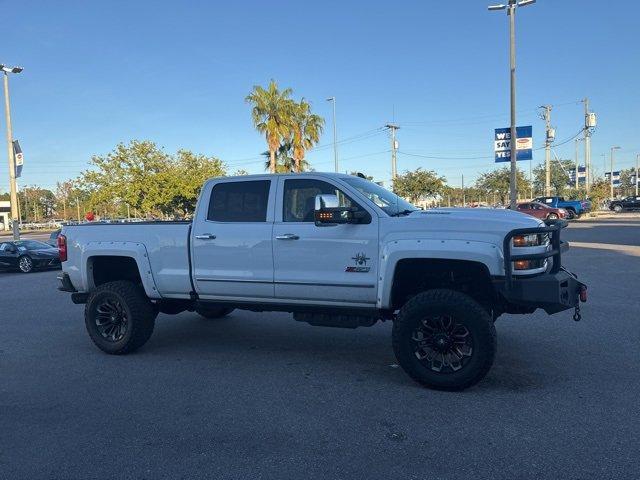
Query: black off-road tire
465, 311
571, 214
140, 311
617, 208
213, 312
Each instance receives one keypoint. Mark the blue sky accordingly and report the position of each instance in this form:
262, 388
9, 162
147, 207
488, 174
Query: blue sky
98, 73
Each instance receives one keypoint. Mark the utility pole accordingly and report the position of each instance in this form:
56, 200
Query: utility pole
637, 179
576, 144
511, 13
335, 133
78, 208
13, 191
394, 149
549, 137
464, 198
611, 172
589, 125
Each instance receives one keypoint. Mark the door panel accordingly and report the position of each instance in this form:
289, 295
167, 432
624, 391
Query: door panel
335, 263
232, 249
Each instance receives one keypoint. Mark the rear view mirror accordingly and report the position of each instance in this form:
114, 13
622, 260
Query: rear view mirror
329, 212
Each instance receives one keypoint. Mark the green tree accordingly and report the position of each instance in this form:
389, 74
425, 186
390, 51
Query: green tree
498, 182
272, 114
598, 193
307, 128
627, 186
145, 178
177, 188
127, 175
418, 184
37, 204
559, 176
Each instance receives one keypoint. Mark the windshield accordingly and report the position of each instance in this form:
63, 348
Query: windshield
31, 245
388, 201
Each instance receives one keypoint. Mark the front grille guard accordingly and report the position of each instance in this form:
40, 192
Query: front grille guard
556, 249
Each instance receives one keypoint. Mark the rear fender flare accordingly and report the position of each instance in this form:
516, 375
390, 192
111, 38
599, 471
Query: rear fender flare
134, 250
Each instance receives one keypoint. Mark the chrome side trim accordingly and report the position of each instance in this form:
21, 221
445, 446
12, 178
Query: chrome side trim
311, 284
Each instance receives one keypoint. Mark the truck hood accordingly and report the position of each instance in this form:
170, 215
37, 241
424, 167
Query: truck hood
477, 224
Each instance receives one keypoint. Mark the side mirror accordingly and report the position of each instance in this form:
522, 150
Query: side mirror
329, 212
11, 249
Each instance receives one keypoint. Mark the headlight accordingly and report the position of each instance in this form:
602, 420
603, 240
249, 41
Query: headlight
526, 240
528, 264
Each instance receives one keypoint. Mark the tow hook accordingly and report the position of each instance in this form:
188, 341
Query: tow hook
582, 293
576, 314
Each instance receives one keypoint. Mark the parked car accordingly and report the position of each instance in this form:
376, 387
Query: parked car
542, 211
28, 255
626, 204
335, 250
53, 238
574, 208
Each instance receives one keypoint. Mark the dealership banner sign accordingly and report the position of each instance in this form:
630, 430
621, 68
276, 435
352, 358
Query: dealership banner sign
616, 178
582, 176
19, 158
502, 144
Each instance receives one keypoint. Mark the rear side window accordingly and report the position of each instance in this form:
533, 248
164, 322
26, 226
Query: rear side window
239, 201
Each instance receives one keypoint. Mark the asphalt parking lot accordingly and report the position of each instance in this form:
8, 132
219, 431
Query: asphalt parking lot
258, 395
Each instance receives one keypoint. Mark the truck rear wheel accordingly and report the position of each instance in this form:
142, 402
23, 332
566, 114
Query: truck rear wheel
119, 317
444, 340
213, 312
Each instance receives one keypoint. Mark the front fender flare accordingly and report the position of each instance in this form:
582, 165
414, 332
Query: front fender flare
485, 253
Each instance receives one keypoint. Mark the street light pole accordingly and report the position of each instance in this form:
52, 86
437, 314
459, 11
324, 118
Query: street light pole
611, 172
12, 165
511, 13
335, 133
637, 179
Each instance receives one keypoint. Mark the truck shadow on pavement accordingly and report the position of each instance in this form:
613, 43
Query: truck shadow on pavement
361, 355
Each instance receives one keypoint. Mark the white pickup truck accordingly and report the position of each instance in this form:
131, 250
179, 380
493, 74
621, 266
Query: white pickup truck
335, 250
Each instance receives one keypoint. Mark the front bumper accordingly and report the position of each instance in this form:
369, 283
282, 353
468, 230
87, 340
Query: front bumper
554, 290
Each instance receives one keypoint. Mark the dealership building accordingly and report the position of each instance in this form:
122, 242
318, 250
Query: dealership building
5, 214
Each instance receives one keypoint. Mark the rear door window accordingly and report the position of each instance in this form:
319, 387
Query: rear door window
239, 201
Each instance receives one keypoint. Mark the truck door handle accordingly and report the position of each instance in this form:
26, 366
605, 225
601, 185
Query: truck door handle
288, 236
206, 236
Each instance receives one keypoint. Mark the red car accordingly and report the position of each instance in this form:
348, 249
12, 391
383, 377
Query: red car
542, 211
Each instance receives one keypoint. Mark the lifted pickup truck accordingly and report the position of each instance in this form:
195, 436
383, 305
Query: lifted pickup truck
574, 208
335, 250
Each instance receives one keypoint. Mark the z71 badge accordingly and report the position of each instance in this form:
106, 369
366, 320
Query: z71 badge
361, 264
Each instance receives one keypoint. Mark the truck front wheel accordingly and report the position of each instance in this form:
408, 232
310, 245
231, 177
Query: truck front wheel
444, 340
119, 317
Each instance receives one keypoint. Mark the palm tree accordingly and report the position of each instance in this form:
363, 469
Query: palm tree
285, 163
272, 113
307, 128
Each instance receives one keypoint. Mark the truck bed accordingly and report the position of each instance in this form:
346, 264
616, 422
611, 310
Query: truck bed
165, 244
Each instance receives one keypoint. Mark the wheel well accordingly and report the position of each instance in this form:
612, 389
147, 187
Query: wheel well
110, 268
415, 275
